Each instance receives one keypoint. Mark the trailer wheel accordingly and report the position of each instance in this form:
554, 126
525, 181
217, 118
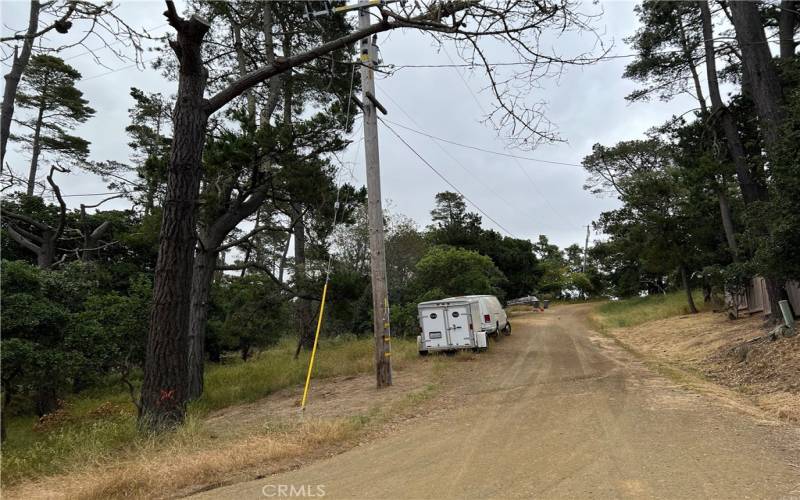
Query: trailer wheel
507, 329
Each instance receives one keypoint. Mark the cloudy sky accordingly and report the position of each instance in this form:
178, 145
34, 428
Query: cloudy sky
525, 197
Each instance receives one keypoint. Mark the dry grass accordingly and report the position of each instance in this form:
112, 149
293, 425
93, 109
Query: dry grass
768, 370
209, 458
154, 472
234, 443
716, 349
99, 426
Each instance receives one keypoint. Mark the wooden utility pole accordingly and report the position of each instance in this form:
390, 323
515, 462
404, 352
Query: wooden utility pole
377, 257
585, 250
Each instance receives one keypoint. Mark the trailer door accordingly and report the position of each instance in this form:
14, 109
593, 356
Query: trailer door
458, 319
434, 327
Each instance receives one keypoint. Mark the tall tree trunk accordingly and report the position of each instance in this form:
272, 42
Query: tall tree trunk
269, 53
727, 222
242, 63
751, 190
18, 65
164, 388
284, 255
303, 306
767, 94
762, 74
37, 149
724, 206
47, 250
787, 21
204, 265
208, 263
688, 288
687, 53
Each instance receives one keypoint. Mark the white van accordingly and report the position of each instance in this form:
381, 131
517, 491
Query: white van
459, 323
493, 317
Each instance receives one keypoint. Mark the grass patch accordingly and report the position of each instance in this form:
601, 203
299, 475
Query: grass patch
635, 311
100, 425
275, 369
151, 469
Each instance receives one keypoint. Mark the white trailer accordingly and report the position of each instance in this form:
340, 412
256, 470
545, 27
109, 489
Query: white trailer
450, 324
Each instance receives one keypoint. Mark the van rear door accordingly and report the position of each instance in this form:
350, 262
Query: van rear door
458, 319
434, 327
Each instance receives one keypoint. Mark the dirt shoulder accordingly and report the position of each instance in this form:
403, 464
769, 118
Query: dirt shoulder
716, 349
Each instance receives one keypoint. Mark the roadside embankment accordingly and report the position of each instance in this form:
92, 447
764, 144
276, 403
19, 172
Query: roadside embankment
710, 347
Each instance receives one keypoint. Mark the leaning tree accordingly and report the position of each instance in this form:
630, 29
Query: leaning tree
519, 26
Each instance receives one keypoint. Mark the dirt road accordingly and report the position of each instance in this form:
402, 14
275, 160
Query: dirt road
558, 411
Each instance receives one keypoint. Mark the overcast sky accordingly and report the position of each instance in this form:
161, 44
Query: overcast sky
586, 104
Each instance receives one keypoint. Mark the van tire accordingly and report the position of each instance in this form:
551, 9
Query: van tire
497, 331
423, 353
507, 329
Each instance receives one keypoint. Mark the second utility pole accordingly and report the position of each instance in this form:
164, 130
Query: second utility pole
377, 252
585, 250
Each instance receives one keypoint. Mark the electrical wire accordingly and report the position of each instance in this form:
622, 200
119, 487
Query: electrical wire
445, 179
577, 60
475, 148
117, 70
330, 260
516, 162
455, 160
92, 194
339, 188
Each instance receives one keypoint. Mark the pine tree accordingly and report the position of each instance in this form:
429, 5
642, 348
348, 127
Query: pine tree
48, 89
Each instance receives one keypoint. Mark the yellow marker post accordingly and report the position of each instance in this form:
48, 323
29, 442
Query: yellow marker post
316, 340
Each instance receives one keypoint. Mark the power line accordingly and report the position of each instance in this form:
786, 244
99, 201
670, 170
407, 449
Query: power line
134, 65
455, 160
525, 172
398, 67
92, 194
489, 151
546, 200
418, 155
577, 60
